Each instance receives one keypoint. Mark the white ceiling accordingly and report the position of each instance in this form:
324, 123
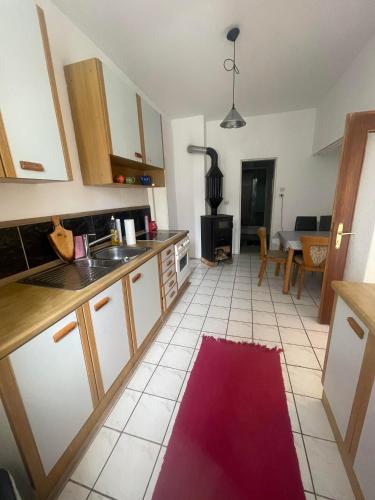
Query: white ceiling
289, 52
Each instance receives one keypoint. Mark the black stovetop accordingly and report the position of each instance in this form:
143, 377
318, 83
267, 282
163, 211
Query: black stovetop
158, 236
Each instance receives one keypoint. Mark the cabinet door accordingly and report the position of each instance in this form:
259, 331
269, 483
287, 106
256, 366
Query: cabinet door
26, 102
145, 294
364, 459
53, 382
108, 318
123, 116
152, 136
343, 365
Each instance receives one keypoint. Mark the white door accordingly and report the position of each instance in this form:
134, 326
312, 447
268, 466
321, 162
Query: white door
152, 135
145, 292
343, 365
364, 459
54, 387
111, 333
123, 116
26, 102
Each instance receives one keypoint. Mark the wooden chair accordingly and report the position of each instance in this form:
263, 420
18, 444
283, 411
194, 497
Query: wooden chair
275, 256
313, 258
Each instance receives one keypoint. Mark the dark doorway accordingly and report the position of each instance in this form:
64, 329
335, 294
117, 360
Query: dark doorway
256, 201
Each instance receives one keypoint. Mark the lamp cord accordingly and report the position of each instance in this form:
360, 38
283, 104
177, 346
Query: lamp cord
233, 68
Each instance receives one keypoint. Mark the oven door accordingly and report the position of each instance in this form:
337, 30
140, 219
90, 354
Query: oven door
182, 267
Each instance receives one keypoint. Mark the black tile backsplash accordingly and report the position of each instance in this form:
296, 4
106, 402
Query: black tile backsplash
12, 258
37, 247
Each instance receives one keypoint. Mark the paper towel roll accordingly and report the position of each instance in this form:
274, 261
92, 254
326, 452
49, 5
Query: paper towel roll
129, 231
119, 230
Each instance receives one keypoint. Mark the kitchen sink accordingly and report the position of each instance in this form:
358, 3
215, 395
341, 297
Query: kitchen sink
122, 253
75, 276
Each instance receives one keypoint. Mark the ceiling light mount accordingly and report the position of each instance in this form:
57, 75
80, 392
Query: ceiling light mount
233, 118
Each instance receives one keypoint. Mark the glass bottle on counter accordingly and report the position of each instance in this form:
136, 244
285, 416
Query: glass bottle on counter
115, 239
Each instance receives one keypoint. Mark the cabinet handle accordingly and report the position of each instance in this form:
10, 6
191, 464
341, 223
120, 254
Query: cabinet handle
169, 262
169, 252
138, 155
137, 277
172, 295
28, 165
170, 273
102, 302
171, 284
64, 331
355, 326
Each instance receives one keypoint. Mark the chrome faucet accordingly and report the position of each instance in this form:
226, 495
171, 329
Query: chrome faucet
87, 244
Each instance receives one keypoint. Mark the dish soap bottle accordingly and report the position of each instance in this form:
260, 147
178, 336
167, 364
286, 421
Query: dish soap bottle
115, 239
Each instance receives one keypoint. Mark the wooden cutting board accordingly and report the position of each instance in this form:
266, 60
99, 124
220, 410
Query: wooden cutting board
62, 240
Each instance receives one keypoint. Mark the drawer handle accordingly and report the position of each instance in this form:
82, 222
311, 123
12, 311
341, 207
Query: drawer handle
64, 331
170, 273
355, 326
169, 262
168, 252
138, 155
172, 294
171, 284
137, 277
102, 302
28, 165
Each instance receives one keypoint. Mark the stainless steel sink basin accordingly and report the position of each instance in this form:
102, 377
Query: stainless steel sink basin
122, 253
74, 276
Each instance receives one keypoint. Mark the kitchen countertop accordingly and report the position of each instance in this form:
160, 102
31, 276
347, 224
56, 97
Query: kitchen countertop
27, 310
360, 297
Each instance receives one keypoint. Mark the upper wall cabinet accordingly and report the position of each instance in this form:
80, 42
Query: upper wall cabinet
152, 133
32, 139
107, 116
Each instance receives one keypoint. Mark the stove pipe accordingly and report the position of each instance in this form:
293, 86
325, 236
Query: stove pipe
214, 178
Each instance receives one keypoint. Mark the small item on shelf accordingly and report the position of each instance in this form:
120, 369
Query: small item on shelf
152, 226
146, 223
119, 179
130, 232
119, 231
145, 180
130, 180
114, 232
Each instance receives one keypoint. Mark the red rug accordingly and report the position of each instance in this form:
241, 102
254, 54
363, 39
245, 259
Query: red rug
232, 438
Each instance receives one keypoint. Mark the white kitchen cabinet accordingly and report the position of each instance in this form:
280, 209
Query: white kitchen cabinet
152, 135
145, 295
53, 383
108, 318
343, 365
123, 116
33, 139
364, 459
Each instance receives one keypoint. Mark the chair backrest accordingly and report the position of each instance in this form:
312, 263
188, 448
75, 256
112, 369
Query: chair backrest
262, 233
306, 223
325, 222
314, 251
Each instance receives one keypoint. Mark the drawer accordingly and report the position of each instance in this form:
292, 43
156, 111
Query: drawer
167, 252
168, 274
170, 284
167, 263
169, 298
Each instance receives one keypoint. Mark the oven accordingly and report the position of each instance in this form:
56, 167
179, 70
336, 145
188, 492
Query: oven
182, 260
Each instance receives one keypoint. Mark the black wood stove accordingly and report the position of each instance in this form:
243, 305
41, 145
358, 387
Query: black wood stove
216, 229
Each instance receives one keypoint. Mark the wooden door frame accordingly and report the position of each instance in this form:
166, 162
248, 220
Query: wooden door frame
357, 127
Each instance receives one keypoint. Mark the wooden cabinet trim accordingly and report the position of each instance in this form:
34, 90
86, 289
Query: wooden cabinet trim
87, 356
141, 129
128, 313
5, 154
129, 308
93, 350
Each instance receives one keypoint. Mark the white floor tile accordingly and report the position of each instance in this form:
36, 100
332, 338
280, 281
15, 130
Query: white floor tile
215, 325
241, 303
294, 336
201, 299
187, 297
218, 312
174, 319
282, 297
183, 388
327, 469
242, 294
304, 300
321, 354
95, 457
241, 315
242, 286
206, 290
262, 305
305, 310
166, 382
181, 307
171, 424
247, 340
185, 337
299, 355
155, 352
285, 375
155, 474
193, 359
141, 376
177, 357
197, 309
96, 496
288, 321
122, 410
73, 491
305, 381
257, 295
209, 282
221, 301
150, 418
129, 469
192, 321
264, 318
208, 334
223, 292
318, 339
225, 284
240, 329
313, 418
167, 331
266, 332
285, 308
313, 324
302, 460
292, 413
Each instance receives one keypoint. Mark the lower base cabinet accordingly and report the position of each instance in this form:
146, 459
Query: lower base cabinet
51, 375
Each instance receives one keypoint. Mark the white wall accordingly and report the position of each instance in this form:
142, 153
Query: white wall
354, 91
360, 264
309, 180
186, 203
68, 45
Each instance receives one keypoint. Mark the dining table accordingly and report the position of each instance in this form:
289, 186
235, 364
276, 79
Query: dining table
291, 241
